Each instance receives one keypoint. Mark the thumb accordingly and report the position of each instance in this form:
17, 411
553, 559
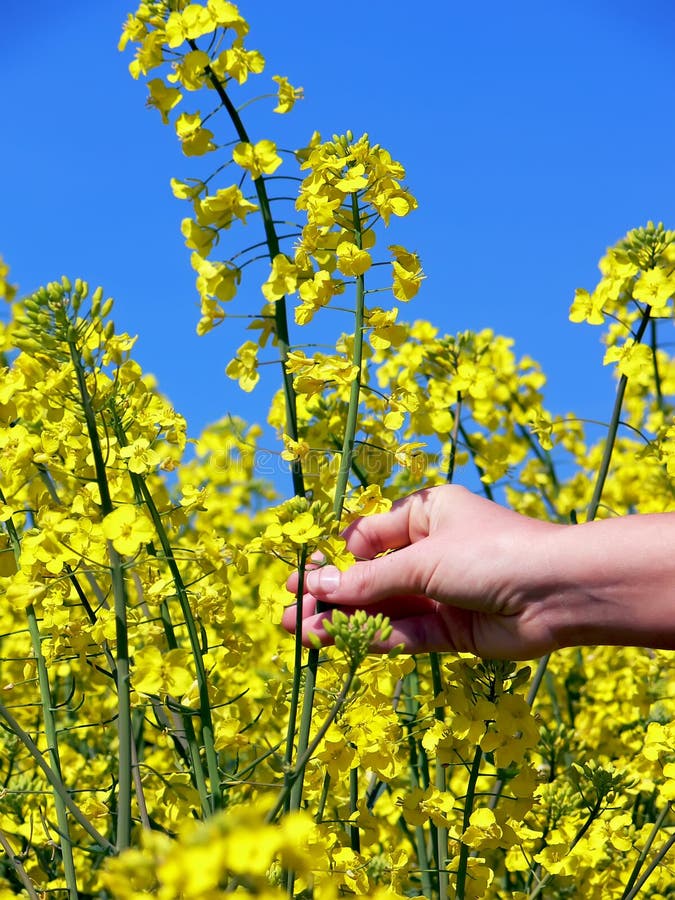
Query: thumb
404, 571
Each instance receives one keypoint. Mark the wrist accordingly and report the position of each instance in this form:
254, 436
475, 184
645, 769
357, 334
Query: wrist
611, 582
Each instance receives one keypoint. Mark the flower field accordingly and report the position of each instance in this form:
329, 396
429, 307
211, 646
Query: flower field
162, 735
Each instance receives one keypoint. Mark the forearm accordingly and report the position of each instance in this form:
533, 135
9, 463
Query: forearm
613, 582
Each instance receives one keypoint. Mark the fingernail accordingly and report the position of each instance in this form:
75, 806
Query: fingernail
326, 580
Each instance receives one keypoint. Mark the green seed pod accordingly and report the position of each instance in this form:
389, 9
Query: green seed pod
96, 299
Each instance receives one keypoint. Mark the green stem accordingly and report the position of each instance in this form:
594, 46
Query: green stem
17, 865
452, 457
440, 782
53, 749
603, 471
463, 864
355, 391
207, 730
653, 866
653, 343
487, 490
325, 787
297, 664
295, 696
295, 782
354, 836
628, 889
593, 814
613, 428
49, 723
272, 240
302, 761
54, 779
340, 490
419, 777
124, 731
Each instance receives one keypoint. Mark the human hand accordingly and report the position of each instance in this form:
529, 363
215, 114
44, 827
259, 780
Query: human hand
467, 575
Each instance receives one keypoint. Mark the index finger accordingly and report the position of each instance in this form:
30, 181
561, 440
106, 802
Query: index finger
399, 527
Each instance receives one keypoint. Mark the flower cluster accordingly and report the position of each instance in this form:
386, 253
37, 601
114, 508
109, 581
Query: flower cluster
161, 735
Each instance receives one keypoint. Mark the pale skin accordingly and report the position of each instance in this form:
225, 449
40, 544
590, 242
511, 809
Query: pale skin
468, 575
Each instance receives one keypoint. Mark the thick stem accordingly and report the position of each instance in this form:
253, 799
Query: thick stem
463, 864
124, 731
53, 750
347, 455
207, 730
354, 836
628, 893
272, 241
311, 748
54, 779
440, 782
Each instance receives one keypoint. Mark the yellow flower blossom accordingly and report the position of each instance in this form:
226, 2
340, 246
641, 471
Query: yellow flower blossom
351, 260
193, 22
238, 63
631, 358
288, 95
190, 70
244, 367
195, 140
163, 98
282, 280
655, 287
257, 158
140, 456
128, 529
157, 672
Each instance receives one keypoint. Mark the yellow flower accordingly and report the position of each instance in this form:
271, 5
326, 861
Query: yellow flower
163, 98
586, 308
161, 672
282, 280
408, 274
351, 260
288, 95
257, 158
127, 528
195, 140
244, 367
238, 62
631, 358
193, 22
219, 210
655, 287
140, 456
216, 279
190, 70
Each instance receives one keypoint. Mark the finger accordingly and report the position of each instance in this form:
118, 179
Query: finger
289, 618
415, 633
371, 535
427, 634
393, 608
294, 578
405, 572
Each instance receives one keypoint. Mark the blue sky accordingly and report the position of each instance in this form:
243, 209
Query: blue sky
534, 136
